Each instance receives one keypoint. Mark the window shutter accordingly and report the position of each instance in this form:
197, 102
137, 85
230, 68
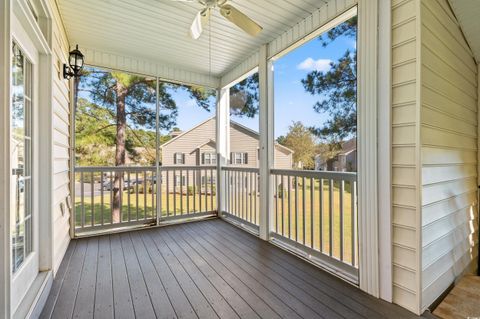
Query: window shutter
183, 158
245, 158
174, 158
203, 158
231, 158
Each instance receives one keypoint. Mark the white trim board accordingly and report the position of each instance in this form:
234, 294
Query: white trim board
367, 147
131, 64
5, 262
384, 150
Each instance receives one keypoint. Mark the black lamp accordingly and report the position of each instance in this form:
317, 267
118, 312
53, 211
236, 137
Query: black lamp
75, 61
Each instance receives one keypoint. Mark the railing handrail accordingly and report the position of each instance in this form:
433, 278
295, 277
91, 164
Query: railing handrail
90, 169
346, 176
240, 169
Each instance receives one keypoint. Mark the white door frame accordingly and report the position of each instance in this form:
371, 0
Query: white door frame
26, 274
5, 262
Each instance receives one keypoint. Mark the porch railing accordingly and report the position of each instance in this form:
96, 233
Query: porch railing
115, 197
315, 213
240, 196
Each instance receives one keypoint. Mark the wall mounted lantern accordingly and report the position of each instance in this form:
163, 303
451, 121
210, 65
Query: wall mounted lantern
75, 61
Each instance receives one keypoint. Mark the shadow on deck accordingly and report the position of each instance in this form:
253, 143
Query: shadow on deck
207, 269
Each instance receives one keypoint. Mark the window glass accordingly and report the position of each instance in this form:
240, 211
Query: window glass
244, 117
315, 94
21, 156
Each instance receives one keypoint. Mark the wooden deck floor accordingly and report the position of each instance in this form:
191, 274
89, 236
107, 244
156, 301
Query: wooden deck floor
207, 269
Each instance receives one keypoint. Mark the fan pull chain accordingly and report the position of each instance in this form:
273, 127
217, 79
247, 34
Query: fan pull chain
210, 47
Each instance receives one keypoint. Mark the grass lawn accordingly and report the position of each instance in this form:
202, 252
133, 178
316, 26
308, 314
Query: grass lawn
302, 223
144, 206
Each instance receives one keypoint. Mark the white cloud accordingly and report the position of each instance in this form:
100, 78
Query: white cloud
310, 64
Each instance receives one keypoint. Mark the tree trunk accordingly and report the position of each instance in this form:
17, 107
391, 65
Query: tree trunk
121, 93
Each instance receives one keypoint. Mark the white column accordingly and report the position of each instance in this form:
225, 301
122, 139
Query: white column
265, 76
222, 142
367, 147
5, 262
384, 150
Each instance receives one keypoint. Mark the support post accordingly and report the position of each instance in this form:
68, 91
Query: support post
158, 177
265, 79
384, 122
222, 141
367, 44
5, 262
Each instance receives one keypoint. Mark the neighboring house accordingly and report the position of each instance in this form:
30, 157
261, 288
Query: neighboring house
197, 147
345, 161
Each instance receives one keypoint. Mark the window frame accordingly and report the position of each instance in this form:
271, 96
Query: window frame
176, 159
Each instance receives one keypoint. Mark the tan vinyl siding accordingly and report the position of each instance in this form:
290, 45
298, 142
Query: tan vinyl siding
405, 168
449, 151
188, 143
244, 141
61, 142
241, 140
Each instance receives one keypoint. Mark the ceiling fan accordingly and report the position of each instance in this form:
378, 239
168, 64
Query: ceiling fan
230, 13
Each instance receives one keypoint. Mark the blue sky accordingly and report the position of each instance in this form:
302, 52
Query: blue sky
292, 103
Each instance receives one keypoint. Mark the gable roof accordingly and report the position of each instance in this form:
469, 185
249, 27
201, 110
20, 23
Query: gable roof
232, 123
185, 132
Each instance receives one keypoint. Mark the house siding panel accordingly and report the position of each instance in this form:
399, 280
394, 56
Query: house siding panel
434, 151
404, 154
202, 138
449, 148
61, 142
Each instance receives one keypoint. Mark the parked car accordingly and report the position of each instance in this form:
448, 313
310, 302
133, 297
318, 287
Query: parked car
108, 185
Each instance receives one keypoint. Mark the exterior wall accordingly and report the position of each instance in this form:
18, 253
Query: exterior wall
448, 151
244, 142
283, 159
405, 154
241, 140
61, 141
188, 143
434, 152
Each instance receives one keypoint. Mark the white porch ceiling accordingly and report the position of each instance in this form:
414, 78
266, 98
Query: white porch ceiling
468, 15
157, 30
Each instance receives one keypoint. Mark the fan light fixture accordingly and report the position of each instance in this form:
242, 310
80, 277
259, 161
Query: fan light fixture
228, 11
75, 61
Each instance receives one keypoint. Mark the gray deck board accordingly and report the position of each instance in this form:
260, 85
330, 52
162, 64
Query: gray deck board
205, 269
58, 282
233, 299
104, 284
162, 305
142, 303
85, 301
267, 271
122, 298
68, 292
260, 307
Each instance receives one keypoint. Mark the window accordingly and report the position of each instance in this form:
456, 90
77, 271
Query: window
209, 158
239, 158
21, 157
180, 180
244, 116
179, 158
315, 99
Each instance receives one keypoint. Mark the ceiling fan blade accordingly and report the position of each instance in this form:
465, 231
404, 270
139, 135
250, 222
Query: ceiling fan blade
201, 19
240, 19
